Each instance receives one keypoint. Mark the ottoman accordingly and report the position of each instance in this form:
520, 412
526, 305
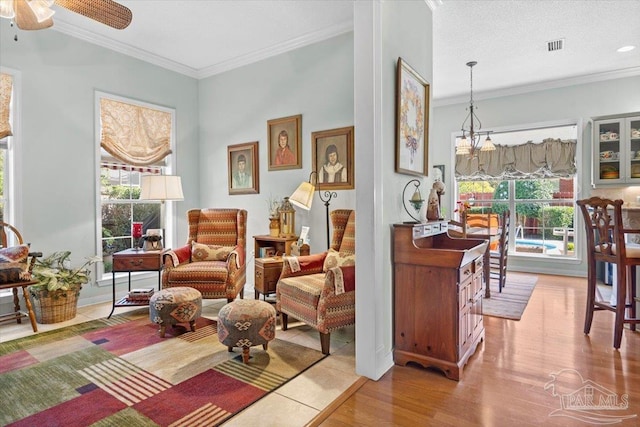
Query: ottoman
244, 323
175, 305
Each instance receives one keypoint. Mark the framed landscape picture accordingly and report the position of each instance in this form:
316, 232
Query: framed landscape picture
333, 155
285, 143
412, 121
244, 176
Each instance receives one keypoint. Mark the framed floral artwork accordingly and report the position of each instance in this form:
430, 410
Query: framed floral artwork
412, 121
333, 154
244, 176
285, 143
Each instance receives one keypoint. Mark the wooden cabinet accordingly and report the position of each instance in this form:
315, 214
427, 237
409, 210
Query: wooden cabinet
616, 150
267, 273
438, 291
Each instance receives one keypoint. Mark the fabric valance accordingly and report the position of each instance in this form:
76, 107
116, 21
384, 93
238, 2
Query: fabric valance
133, 134
6, 84
141, 169
552, 158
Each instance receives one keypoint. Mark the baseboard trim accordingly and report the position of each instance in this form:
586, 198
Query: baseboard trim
324, 414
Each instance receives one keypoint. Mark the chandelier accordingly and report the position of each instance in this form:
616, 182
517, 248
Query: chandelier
472, 144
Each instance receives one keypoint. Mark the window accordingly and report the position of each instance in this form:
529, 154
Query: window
9, 82
119, 177
542, 204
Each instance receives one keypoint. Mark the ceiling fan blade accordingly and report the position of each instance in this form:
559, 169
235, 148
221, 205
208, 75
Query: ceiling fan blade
26, 19
107, 12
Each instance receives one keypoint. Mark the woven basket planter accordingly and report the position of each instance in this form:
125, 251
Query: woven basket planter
54, 306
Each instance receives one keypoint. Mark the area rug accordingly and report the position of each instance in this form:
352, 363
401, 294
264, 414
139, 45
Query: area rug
119, 371
511, 302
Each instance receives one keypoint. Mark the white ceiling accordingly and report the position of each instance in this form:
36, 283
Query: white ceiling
507, 37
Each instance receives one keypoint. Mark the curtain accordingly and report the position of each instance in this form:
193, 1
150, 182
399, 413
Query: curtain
6, 83
141, 169
552, 158
133, 134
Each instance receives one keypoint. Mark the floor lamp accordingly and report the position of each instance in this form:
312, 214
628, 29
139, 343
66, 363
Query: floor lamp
162, 188
303, 198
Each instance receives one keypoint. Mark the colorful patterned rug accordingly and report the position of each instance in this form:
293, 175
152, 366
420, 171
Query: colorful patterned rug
119, 371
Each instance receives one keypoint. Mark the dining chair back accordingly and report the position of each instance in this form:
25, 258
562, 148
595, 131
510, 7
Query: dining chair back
498, 256
606, 240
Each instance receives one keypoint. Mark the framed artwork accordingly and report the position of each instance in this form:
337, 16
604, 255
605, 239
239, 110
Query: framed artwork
244, 176
285, 143
412, 121
333, 154
438, 173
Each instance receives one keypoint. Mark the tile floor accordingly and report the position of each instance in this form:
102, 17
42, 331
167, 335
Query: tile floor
295, 403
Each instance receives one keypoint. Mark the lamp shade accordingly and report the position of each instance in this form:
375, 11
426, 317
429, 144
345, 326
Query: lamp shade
303, 196
161, 187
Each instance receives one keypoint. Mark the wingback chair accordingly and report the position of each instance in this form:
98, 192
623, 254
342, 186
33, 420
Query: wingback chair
213, 260
319, 289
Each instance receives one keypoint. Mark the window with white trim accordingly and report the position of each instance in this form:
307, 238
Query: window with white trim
133, 140
7, 144
541, 200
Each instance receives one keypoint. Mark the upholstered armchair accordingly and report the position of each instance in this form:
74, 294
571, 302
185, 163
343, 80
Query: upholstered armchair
213, 260
319, 289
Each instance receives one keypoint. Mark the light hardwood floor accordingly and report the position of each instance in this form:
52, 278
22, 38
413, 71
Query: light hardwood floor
504, 382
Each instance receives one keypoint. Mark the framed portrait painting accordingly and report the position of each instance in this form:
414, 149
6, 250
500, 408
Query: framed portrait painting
285, 143
412, 121
333, 155
244, 176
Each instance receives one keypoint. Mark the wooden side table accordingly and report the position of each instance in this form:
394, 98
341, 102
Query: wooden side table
267, 273
131, 260
282, 245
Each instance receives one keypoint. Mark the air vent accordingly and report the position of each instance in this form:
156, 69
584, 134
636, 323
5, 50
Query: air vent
555, 45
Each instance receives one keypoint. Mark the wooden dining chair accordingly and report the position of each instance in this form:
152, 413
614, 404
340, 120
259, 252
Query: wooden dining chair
498, 256
606, 242
16, 264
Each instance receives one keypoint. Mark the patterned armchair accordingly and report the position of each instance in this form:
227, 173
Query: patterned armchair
213, 260
319, 289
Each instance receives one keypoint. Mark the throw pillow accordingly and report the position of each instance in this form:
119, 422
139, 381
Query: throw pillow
202, 252
13, 264
337, 259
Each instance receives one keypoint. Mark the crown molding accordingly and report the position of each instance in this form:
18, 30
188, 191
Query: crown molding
307, 39
433, 4
536, 87
143, 55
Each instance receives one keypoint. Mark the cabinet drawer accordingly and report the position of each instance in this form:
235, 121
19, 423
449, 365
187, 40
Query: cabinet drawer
142, 263
466, 272
267, 275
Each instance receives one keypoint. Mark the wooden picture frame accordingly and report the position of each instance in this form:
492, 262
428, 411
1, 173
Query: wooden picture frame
243, 157
289, 131
333, 158
412, 121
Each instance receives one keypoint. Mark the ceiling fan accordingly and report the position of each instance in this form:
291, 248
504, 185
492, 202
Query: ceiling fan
37, 14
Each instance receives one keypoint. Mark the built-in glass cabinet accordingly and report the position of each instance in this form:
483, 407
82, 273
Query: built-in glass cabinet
616, 150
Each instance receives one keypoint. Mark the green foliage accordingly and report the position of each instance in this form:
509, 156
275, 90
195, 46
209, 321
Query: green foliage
53, 272
556, 216
526, 189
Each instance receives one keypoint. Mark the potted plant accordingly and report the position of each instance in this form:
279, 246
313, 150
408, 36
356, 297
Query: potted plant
55, 298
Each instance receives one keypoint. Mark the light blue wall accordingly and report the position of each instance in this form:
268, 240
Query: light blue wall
580, 102
57, 183
316, 82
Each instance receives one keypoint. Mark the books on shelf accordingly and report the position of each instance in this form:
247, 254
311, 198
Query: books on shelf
267, 251
140, 294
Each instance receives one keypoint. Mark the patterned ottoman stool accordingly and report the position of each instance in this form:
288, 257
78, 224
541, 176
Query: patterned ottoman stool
245, 323
175, 305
